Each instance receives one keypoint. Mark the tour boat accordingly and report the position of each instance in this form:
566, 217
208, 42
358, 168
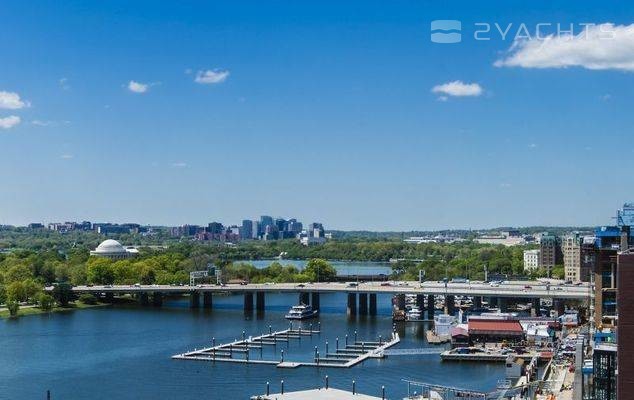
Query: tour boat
301, 311
414, 314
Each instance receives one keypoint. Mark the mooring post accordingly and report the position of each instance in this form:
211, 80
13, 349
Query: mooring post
354, 387
230, 350
380, 339
326, 348
267, 388
282, 386
282, 355
270, 329
383, 392
326, 381
243, 335
315, 352
337, 344
346, 340
318, 358
319, 328
355, 337
362, 346
247, 354
48, 395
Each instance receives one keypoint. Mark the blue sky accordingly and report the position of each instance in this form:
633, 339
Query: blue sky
317, 110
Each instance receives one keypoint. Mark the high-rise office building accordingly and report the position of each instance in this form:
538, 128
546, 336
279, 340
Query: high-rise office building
625, 216
571, 249
246, 232
265, 221
549, 251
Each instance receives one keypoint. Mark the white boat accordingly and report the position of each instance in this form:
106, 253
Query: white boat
414, 314
301, 311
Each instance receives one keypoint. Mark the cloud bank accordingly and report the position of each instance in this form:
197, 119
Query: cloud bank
597, 47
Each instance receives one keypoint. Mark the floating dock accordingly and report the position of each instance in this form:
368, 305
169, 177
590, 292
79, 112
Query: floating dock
316, 394
240, 351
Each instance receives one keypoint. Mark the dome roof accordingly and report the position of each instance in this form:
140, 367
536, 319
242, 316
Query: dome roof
110, 246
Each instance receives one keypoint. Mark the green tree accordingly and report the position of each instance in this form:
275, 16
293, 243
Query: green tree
45, 301
13, 307
319, 270
88, 298
63, 294
16, 291
100, 271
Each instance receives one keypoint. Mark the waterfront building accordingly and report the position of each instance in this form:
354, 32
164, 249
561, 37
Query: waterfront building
113, 250
36, 225
492, 330
625, 331
604, 369
571, 249
609, 240
531, 260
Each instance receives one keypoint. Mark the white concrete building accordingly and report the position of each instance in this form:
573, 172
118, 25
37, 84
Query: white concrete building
113, 250
531, 259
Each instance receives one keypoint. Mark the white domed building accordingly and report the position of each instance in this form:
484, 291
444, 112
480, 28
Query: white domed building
113, 250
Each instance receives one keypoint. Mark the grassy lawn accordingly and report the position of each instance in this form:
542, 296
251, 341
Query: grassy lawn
35, 310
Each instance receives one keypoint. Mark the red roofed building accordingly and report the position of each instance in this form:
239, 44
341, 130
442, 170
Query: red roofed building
495, 330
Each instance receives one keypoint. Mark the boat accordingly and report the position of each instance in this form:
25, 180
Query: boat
414, 314
301, 311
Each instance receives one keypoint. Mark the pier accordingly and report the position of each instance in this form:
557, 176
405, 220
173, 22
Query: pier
349, 354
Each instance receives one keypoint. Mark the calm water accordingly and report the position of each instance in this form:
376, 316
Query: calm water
124, 353
342, 267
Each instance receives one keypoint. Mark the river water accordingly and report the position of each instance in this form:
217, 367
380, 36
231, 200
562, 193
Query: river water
123, 352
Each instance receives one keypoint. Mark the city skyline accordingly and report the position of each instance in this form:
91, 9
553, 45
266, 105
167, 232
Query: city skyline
342, 113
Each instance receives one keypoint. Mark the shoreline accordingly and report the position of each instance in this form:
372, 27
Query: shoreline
24, 312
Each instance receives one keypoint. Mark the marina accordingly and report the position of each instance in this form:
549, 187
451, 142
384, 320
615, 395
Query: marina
239, 351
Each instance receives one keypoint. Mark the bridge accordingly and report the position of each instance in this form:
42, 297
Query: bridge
361, 295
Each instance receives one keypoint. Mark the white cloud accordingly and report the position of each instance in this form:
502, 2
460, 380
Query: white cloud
38, 122
9, 122
532, 146
597, 47
12, 101
211, 76
66, 156
505, 185
179, 165
63, 83
138, 87
458, 89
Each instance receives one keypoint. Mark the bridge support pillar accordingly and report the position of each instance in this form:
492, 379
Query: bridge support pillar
400, 301
352, 304
194, 299
144, 299
259, 301
535, 306
372, 304
248, 301
304, 298
420, 302
559, 306
477, 301
431, 306
157, 299
363, 303
503, 304
109, 297
450, 304
208, 300
315, 300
